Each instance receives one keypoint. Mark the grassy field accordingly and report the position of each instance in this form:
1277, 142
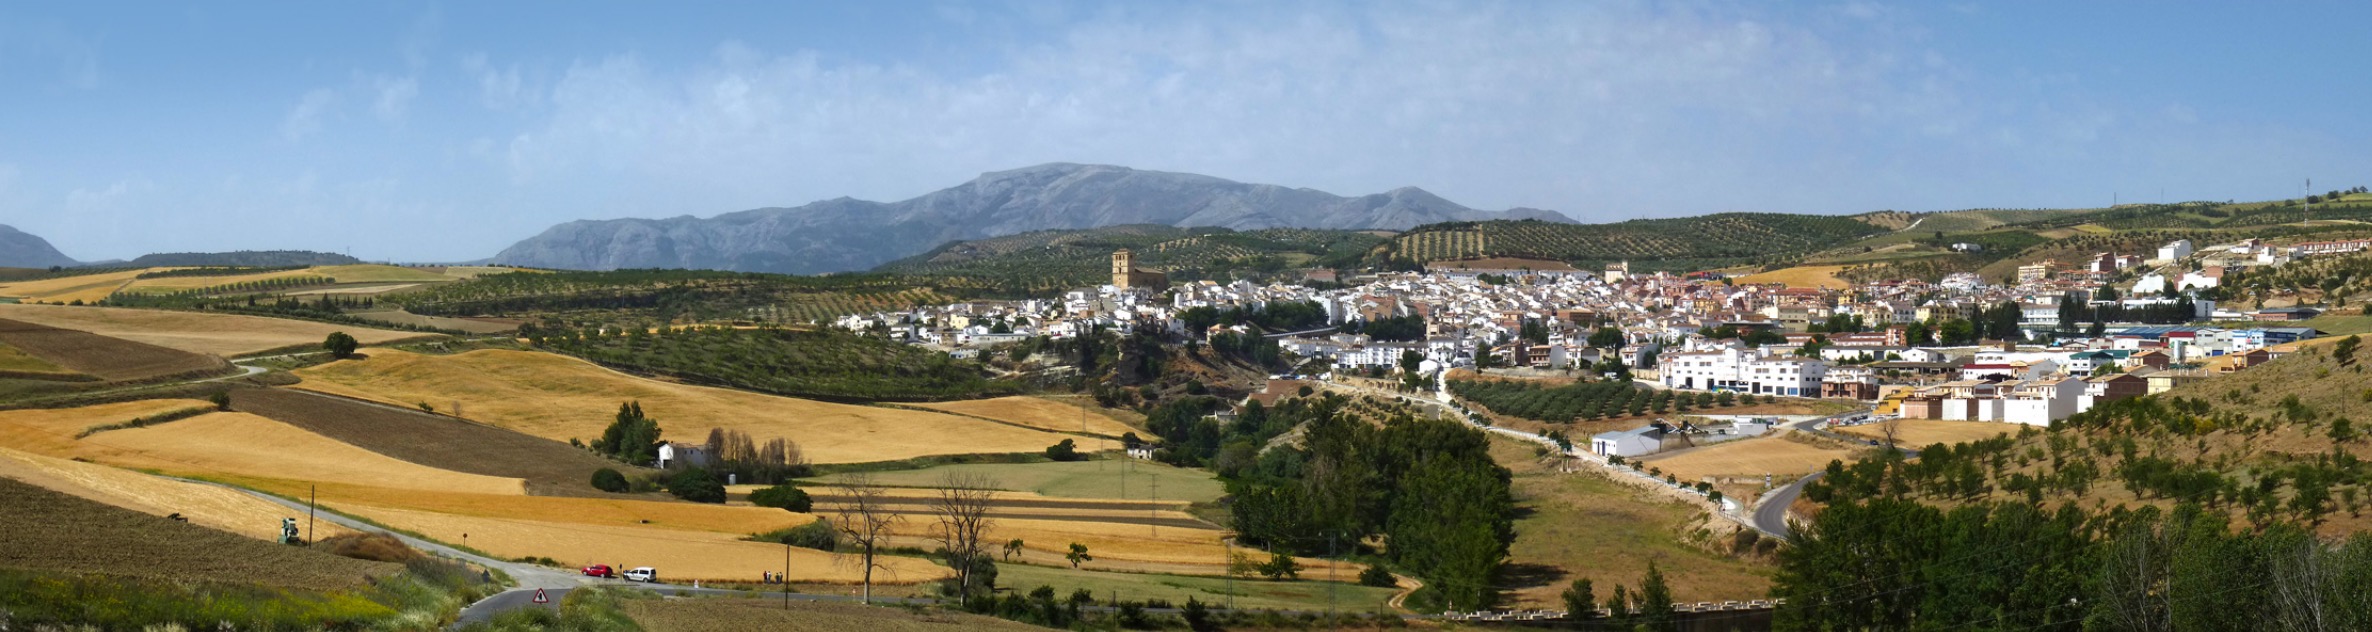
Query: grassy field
89, 288
560, 398
1801, 276
195, 332
1774, 455
1583, 525
1037, 413
738, 615
202, 504
244, 446
1075, 479
1310, 594
50, 531
103, 356
1916, 433
680, 555
13, 359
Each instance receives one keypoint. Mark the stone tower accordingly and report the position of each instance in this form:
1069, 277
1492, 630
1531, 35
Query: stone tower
1122, 264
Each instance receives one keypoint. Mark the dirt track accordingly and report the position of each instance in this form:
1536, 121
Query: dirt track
551, 468
112, 359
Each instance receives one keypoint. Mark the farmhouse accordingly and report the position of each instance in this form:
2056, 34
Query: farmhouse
674, 454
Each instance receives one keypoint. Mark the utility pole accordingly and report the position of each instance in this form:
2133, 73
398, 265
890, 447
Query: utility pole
786, 573
1153, 511
315, 499
1230, 540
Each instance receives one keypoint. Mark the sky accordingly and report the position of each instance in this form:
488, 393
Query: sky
428, 132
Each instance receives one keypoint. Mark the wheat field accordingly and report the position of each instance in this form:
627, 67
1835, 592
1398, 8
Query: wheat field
1042, 414
233, 445
680, 556
561, 398
204, 505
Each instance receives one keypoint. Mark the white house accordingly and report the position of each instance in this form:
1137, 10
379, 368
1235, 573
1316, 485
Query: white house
2040, 402
1798, 377
1715, 369
1627, 443
673, 454
2179, 249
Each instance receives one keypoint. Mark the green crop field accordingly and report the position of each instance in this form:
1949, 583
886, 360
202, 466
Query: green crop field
1256, 593
1077, 479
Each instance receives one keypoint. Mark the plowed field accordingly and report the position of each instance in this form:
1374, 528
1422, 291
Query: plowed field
108, 358
560, 398
244, 446
195, 332
202, 504
549, 467
51, 531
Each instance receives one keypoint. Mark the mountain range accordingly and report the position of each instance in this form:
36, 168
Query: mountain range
19, 249
847, 234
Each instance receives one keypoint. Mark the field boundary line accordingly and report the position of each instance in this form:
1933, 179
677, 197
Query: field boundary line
910, 407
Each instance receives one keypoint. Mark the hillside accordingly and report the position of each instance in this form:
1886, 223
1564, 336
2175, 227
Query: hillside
847, 234
19, 249
1682, 243
1062, 259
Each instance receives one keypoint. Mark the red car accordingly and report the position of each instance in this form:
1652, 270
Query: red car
599, 570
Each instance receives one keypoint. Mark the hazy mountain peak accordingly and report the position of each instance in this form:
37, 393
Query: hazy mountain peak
843, 234
19, 249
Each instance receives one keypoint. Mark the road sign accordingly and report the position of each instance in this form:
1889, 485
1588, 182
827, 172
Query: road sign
540, 598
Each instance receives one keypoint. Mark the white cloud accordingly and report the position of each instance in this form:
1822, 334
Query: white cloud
395, 95
305, 118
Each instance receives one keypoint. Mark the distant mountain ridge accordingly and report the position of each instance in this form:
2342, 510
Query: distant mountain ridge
19, 249
258, 258
847, 234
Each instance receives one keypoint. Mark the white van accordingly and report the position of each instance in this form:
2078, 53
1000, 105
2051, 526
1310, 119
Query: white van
641, 574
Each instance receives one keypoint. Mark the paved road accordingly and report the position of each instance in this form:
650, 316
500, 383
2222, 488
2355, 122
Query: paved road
1770, 513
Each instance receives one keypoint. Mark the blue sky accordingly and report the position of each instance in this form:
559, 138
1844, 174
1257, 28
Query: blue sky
437, 132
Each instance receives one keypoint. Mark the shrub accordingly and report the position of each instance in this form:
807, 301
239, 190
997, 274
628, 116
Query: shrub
376, 547
340, 345
784, 497
610, 480
1378, 576
697, 485
1068, 450
818, 535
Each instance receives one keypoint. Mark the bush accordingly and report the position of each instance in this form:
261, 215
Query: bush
697, 485
1377, 575
1068, 450
818, 535
610, 480
376, 547
784, 497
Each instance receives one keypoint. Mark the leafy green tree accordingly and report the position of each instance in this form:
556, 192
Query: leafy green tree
633, 437
1581, 601
1078, 555
1655, 602
340, 345
1378, 576
1281, 567
1068, 450
1606, 338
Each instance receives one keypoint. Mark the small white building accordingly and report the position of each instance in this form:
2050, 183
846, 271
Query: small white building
1628, 443
673, 454
2179, 249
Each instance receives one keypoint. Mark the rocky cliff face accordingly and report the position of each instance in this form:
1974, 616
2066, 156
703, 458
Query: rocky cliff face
19, 249
847, 234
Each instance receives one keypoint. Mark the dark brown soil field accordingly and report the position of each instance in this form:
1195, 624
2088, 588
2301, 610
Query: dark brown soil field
48, 531
723, 615
551, 468
112, 359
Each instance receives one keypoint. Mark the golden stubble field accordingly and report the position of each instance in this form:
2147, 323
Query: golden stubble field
195, 332
227, 445
1774, 455
680, 555
86, 288
1042, 414
561, 398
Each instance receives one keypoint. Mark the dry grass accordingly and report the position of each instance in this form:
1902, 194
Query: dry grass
560, 398
87, 288
679, 555
195, 332
1773, 455
738, 615
1802, 276
50, 531
1022, 410
623, 511
1916, 433
373, 273
238, 445
202, 504
50, 430
163, 285
1584, 525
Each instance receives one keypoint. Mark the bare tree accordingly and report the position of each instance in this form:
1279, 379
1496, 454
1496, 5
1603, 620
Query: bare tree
962, 509
1891, 430
865, 520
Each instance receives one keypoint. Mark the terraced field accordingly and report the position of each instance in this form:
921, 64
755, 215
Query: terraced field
557, 397
194, 332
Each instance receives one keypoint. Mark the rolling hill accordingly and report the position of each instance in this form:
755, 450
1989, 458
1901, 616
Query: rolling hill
847, 234
19, 249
